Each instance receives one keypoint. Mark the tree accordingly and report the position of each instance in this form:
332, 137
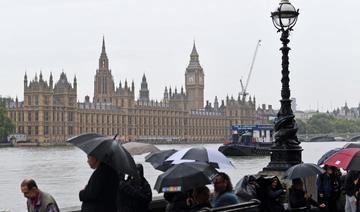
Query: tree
6, 125
302, 126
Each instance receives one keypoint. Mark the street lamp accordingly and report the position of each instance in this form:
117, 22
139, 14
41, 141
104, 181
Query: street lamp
286, 150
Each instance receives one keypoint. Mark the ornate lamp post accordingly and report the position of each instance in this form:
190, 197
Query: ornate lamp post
286, 151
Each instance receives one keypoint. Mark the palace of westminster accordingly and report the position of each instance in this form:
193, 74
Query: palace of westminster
51, 113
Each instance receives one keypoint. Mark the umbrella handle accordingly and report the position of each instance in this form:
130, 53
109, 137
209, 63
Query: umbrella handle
115, 136
305, 184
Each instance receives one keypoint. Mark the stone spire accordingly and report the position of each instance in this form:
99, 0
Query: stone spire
103, 60
216, 103
51, 82
25, 80
75, 83
132, 86
144, 91
103, 46
194, 57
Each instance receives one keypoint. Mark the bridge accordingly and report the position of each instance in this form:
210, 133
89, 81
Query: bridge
346, 137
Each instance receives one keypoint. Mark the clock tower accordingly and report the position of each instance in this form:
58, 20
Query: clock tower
194, 82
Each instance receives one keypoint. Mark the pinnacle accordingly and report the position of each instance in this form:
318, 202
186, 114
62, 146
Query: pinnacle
194, 51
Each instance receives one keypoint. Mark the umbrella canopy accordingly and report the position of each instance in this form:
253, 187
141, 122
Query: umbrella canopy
327, 155
107, 151
212, 156
137, 148
303, 170
333, 151
185, 176
347, 159
157, 159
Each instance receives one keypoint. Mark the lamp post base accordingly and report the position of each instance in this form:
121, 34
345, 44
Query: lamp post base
283, 158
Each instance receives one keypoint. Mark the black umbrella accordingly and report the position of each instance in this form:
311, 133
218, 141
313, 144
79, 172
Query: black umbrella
351, 145
107, 151
157, 159
185, 176
303, 170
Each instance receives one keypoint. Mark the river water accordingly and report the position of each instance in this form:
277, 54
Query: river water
63, 171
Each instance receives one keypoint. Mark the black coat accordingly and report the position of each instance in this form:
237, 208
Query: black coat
100, 192
273, 201
297, 199
134, 195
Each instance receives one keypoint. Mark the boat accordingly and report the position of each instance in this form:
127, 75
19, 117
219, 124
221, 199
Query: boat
249, 140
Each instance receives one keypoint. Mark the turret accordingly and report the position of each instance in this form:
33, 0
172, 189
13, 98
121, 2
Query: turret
132, 86
75, 83
25, 80
166, 94
126, 86
51, 82
216, 103
144, 91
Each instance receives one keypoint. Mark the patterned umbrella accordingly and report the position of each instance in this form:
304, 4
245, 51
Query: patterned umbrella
347, 159
212, 156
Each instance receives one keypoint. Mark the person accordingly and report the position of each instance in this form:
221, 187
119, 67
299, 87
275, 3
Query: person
223, 191
201, 196
134, 194
37, 200
100, 192
326, 184
351, 180
300, 199
245, 189
176, 201
274, 192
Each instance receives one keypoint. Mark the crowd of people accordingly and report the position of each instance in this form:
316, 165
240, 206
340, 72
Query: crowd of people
107, 191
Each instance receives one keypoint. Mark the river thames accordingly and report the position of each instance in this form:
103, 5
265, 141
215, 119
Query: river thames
63, 171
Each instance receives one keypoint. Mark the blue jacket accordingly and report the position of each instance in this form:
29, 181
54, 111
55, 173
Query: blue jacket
227, 198
325, 184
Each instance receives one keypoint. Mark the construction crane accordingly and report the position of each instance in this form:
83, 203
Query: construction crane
244, 92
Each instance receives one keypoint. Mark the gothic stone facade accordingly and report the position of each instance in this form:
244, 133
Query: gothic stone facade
50, 112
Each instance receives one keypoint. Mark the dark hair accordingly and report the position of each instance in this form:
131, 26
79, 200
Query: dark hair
297, 183
29, 183
201, 193
200, 190
226, 178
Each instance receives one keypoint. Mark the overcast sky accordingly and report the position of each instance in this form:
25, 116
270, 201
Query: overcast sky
155, 37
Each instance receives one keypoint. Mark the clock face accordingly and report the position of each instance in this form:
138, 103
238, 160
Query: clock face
191, 79
201, 79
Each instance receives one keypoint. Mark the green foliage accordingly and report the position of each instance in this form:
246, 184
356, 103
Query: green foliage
326, 123
6, 125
